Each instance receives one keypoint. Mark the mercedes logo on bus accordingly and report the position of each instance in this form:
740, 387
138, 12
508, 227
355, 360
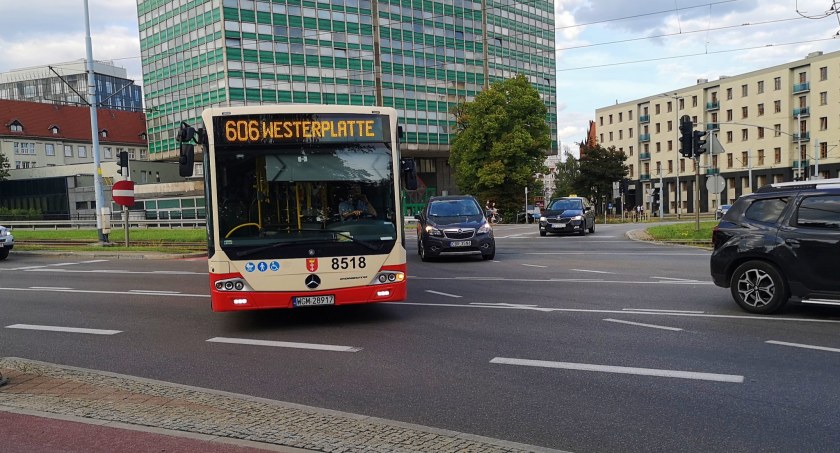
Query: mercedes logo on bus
312, 281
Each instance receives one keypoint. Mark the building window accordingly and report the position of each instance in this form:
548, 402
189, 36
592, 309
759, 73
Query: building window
729, 115
630, 132
729, 94
109, 154
670, 108
620, 134
824, 98
745, 135
824, 123
658, 128
670, 145
682, 104
823, 150
760, 88
745, 113
656, 108
777, 106
777, 83
670, 166
658, 147
670, 126
49, 149
24, 148
68, 151
760, 132
602, 120
760, 109
54, 130
630, 169
82, 151
631, 150
694, 101
682, 165
760, 158
728, 136
620, 116
824, 73
630, 115
610, 118
777, 130
744, 90
611, 136
103, 133
777, 155
728, 160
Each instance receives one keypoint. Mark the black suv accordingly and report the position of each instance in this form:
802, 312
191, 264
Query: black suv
454, 225
780, 243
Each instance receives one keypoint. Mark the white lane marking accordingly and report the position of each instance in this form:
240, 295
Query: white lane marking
587, 270
663, 311
285, 344
64, 329
622, 370
112, 271
84, 291
533, 265
804, 346
27, 268
442, 294
513, 306
635, 253
563, 280
581, 310
149, 291
642, 324
50, 287
676, 279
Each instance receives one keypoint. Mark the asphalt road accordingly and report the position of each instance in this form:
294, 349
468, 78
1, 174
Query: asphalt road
593, 343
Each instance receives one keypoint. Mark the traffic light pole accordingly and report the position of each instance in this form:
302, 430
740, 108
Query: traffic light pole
697, 192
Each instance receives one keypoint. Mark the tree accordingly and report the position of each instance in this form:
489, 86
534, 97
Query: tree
4, 167
500, 143
565, 175
599, 168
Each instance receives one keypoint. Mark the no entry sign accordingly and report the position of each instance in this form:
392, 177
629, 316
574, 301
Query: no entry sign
123, 193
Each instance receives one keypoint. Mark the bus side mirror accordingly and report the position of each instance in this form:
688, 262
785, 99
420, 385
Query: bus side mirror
409, 171
186, 160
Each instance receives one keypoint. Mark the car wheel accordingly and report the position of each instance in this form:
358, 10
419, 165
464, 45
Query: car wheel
758, 287
422, 251
542, 233
4, 253
582, 231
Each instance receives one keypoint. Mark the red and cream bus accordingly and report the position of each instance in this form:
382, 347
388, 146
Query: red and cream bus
303, 204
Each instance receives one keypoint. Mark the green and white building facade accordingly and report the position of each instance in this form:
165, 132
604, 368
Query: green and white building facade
418, 56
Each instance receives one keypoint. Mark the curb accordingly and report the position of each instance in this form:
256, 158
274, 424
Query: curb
115, 255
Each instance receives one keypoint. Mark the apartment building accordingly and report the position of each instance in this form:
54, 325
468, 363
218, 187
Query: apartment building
421, 58
776, 124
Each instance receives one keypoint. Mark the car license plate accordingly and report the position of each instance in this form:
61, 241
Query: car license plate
461, 243
558, 225
309, 301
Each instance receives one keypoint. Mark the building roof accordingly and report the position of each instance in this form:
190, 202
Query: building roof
73, 123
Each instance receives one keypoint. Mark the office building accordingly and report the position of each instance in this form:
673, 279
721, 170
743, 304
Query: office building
67, 83
771, 125
420, 57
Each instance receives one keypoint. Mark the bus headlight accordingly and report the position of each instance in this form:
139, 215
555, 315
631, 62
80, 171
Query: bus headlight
388, 277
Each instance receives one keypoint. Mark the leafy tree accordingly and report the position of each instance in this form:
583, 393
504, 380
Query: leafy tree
500, 142
565, 175
4, 167
599, 168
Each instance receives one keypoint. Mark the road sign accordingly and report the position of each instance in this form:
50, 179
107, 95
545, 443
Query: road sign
715, 184
123, 193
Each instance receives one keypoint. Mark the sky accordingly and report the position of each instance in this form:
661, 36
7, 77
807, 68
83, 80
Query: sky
608, 51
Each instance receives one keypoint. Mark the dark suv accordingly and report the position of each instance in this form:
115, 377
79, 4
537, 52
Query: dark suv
780, 243
568, 215
454, 226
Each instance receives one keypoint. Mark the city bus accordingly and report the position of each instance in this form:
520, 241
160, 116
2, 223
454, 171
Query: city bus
303, 204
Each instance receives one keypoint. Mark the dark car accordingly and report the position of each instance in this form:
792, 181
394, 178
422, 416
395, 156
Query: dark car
454, 225
568, 215
780, 243
7, 242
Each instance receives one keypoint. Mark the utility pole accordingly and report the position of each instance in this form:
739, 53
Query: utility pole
101, 212
661, 193
696, 192
799, 169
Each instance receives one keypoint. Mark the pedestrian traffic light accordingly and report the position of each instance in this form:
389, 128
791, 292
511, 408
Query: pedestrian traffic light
698, 143
686, 136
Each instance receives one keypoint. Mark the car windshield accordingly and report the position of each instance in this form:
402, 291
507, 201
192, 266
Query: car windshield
564, 205
453, 208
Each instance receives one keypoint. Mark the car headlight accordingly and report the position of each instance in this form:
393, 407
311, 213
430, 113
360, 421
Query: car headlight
484, 228
542, 218
577, 217
433, 231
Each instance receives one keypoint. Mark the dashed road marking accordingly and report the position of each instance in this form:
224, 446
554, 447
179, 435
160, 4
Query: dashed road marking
533, 265
804, 346
285, 344
595, 272
64, 329
642, 324
442, 294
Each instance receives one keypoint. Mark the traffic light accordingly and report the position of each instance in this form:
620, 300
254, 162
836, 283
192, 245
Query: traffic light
686, 136
123, 156
655, 199
699, 144
623, 185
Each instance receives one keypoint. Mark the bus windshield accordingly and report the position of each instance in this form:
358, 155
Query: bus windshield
284, 201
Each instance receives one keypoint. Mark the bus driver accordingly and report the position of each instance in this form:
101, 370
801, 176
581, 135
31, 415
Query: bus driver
356, 205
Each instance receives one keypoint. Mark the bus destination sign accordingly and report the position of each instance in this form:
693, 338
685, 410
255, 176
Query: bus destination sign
314, 128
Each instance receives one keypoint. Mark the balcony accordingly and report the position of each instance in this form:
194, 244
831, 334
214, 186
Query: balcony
712, 126
644, 156
644, 137
803, 137
644, 119
801, 87
644, 177
800, 164
714, 105
802, 111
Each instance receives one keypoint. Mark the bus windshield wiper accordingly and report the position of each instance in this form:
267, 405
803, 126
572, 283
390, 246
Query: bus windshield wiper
329, 236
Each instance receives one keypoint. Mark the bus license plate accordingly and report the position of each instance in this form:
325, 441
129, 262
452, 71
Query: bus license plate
461, 243
309, 301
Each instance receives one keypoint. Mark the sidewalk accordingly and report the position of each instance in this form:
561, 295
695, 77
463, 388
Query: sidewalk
51, 408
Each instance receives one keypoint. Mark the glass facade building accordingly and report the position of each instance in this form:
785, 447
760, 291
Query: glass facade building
419, 56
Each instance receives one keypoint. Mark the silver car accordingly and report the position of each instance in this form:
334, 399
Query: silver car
7, 241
